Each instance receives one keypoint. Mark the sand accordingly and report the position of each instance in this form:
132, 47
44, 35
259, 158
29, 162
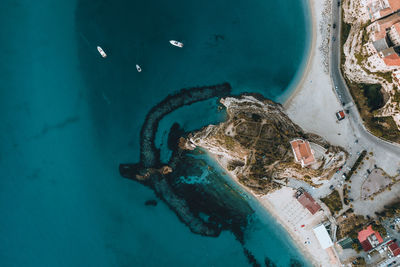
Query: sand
317, 84
291, 215
313, 103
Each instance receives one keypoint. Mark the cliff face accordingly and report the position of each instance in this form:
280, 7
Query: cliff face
254, 145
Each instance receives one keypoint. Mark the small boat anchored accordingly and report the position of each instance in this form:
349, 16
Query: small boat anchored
138, 68
176, 43
101, 51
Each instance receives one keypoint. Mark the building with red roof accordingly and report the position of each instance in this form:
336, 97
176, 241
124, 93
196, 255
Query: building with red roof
302, 151
308, 202
393, 59
380, 8
386, 38
394, 248
369, 238
394, 33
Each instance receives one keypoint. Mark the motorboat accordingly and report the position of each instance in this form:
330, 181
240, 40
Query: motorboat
138, 68
176, 43
101, 51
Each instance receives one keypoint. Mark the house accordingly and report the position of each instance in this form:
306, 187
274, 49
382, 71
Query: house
307, 201
394, 248
369, 238
394, 33
378, 9
386, 39
392, 56
302, 151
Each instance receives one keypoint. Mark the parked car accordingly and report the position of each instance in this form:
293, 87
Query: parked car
340, 115
334, 25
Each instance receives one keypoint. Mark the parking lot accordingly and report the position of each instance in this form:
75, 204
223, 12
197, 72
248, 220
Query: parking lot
377, 180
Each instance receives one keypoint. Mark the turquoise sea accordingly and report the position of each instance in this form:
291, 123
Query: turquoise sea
68, 118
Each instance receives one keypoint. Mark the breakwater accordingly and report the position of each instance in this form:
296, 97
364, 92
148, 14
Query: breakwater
150, 172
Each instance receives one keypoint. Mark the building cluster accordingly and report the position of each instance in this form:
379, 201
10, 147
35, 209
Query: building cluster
385, 30
371, 240
380, 8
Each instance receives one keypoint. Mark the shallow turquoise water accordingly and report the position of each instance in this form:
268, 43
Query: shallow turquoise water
68, 118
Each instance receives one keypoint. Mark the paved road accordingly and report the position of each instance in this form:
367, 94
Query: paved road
344, 95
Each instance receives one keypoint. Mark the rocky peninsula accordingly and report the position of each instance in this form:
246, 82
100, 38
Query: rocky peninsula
253, 144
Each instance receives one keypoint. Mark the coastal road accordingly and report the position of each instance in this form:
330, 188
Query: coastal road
343, 93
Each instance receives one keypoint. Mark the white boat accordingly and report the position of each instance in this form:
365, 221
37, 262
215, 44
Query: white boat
101, 51
138, 68
176, 43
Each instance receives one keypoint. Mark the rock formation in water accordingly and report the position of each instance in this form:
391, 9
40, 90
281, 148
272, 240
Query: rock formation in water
254, 145
149, 154
151, 202
161, 178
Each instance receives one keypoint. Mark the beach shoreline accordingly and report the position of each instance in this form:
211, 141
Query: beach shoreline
310, 56
268, 206
270, 202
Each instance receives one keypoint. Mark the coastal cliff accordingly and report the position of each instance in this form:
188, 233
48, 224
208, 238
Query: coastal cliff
253, 144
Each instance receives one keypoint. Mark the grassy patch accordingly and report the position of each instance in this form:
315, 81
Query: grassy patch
390, 211
356, 164
396, 96
383, 127
373, 94
333, 201
344, 34
385, 75
351, 226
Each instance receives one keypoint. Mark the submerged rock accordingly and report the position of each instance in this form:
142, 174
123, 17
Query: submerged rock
161, 178
151, 202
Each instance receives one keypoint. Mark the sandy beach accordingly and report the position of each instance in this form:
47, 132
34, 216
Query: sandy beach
308, 63
313, 104
291, 215
316, 83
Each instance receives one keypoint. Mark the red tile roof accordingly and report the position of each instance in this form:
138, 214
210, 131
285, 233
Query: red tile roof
394, 248
394, 4
363, 237
392, 60
302, 152
397, 27
385, 11
383, 24
308, 202
366, 245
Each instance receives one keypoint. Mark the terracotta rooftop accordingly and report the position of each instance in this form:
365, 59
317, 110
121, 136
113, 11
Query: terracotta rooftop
394, 5
309, 202
385, 12
364, 236
302, 152
381, 8
397, 27
383, 24
392, 60
394, 248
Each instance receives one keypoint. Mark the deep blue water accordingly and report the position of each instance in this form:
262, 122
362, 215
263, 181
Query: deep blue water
69, 117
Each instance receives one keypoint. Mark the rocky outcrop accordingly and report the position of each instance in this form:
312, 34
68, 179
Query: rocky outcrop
254, 145
206, 208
